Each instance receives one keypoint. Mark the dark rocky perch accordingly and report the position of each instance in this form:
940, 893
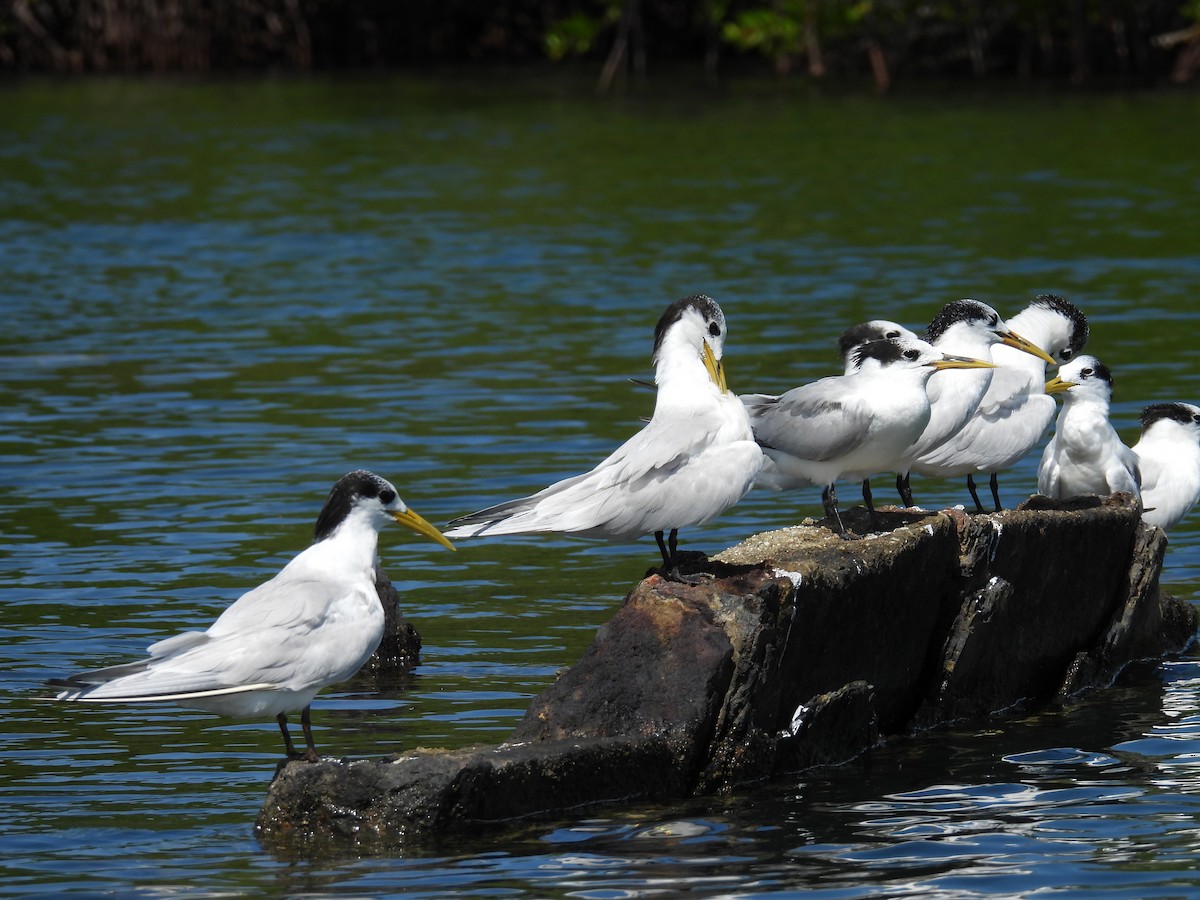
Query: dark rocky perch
400, 650
807, 659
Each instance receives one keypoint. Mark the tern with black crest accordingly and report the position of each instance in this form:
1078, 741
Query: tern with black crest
268, 654
694, 459
850, 425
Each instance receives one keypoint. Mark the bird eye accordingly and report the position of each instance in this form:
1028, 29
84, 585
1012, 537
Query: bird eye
386, 496
911, 354
893, 334
1086, 372
1067, 353
714, 329
1196, 418
993, 320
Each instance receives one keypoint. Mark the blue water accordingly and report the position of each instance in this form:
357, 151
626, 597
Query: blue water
219, 297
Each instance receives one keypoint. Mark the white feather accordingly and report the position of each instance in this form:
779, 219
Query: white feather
1168, 455
1086, 455
694, 459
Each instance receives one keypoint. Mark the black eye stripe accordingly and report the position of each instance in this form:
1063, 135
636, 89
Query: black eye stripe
386, 496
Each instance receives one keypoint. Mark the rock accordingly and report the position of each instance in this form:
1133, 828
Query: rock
804, 649
400, 650
1038, 590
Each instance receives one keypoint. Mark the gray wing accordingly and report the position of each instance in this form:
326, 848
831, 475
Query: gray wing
619, 496
816, 421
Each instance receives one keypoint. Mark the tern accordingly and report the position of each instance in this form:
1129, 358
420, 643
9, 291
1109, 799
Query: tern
1015, 412
1085, 455
694, 459
962, 328
1168, 455
270, 652
850, 425
855, 336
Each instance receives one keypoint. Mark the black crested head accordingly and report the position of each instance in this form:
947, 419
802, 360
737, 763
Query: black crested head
960, 311
863, 333
705, 305
348, 490
886, 352
1173, 412
1072, 313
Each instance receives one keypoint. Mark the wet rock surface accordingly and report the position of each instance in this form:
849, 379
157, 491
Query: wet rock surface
804, 649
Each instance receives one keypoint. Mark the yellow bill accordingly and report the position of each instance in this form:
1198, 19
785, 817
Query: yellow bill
410, 519
1056, 385
1015, 340
716, 371
960, 362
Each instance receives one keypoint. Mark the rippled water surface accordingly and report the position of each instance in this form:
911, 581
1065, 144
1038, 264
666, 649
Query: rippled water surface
220, 297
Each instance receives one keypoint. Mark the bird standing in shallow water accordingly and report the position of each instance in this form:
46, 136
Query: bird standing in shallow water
694, 459
849, 425
1015, 412
1086, 455
1168, 455
314, 624
962, 328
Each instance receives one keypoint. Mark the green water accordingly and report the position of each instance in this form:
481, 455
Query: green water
219, 297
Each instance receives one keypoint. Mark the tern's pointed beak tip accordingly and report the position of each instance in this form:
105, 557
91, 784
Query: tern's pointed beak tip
716, 369
1012, 339
960, 362
410, 519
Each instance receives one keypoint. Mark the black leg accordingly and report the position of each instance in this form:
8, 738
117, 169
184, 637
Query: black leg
904, 488
662, 548
869, 500
996, 492
306, 724
287, 738
974, 495
829, 501
670, 554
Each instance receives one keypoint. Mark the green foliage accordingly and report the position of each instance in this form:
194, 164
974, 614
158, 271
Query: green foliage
772, 32
1030, 38
576, 34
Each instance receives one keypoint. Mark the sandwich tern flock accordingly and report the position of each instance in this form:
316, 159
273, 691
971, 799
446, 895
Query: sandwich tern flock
319, 619
962, 328
1015, 412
